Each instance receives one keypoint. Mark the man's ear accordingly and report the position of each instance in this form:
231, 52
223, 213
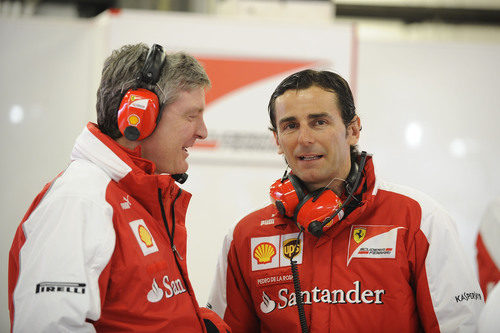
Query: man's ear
280, 150
353, 131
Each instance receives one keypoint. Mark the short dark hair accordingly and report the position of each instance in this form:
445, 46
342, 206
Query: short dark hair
326, 80
182, 72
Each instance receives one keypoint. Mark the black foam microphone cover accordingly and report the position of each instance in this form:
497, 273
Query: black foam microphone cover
315, 228
180, 177
132, 133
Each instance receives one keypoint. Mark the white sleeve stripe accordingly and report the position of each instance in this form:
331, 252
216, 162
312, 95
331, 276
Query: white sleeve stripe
445, 261
218, 293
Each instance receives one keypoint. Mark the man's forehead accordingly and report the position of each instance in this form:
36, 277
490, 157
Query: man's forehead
296, 99
312, 89
301, 100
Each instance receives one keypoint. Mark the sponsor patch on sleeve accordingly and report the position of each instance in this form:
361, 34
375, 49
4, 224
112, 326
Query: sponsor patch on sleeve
56, 287
372, 241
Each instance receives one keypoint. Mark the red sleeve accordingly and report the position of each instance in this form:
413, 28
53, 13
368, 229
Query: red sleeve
489, 274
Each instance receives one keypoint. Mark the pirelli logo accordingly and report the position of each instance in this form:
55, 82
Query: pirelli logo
54, 287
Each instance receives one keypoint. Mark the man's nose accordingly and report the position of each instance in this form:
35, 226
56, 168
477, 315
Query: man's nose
201, 131
305, 135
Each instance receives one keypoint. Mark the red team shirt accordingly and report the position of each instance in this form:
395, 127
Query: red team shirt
393, 265
92, 253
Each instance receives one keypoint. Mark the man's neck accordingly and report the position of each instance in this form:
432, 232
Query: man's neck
124, 142
337, 186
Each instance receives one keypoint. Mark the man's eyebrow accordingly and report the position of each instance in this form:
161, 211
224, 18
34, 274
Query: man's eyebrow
309, 116
319, 115
287, 119
196, 110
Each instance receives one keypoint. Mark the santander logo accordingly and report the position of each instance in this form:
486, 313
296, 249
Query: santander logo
357, 295
170, 289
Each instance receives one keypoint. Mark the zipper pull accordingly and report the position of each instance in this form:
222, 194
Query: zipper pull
176, 252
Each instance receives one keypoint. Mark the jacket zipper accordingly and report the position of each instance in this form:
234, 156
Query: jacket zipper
176, 253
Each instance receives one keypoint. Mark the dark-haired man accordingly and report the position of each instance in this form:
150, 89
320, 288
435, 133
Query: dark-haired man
368, 256
103, 246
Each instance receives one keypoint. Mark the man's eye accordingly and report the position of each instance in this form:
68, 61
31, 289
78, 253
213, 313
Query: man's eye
321, 122
290, 126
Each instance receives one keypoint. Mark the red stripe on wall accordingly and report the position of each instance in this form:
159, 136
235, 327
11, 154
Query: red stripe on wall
229, 74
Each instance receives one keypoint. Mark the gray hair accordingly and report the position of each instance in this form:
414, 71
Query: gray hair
181, 72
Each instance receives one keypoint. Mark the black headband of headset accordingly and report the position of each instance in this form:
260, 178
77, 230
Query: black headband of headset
150, 74
155, 60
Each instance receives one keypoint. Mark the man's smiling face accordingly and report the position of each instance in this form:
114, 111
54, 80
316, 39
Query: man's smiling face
180, 125
312, 136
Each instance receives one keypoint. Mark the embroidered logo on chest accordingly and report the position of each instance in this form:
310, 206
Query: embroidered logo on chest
170, 288
275, 251
143, 237
126, 203
372, 241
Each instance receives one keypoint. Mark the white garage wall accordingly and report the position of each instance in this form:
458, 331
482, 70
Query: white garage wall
47, 80
447, 91
447, 87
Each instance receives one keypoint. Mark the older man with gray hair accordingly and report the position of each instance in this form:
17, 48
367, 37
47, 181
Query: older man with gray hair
103, 246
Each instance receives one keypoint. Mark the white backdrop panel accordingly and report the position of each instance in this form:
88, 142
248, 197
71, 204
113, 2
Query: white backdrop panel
430, 112
48, 74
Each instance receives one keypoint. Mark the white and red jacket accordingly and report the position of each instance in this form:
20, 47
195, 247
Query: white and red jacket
93, 254
394, 264
488, 248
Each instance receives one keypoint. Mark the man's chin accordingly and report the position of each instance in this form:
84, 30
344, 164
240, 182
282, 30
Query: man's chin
182, 169
173, 171
310, 181
179, 171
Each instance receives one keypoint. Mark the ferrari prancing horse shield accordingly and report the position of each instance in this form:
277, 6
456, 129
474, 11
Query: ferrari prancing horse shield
359, 234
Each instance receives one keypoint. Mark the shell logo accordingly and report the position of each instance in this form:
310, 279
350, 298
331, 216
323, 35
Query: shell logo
264, 253
133, 120
145, 236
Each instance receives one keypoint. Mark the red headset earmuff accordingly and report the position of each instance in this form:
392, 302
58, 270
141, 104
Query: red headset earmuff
138, 113
318, 210
139, 108
289, 196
